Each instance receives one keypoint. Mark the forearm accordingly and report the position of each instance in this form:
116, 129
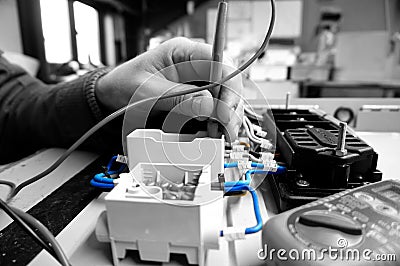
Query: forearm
34, 115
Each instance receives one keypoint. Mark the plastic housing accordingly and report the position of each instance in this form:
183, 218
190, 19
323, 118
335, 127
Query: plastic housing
165, 204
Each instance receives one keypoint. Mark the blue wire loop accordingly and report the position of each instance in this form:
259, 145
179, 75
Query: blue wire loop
257, 212
244, 185
102, 180
100, 184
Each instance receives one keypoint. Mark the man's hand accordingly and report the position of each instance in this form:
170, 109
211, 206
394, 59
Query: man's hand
167, 68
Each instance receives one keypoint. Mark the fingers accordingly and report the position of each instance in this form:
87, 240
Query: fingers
226, 109
183, 50
181, 61
197, 105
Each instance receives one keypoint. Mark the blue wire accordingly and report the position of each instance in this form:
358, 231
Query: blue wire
235, 164
280, 170
101, 185
102, 179
257, 165
258, 226
110, 164
247, 181
231, 165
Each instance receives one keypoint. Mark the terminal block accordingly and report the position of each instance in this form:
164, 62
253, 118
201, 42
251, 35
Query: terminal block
166, 203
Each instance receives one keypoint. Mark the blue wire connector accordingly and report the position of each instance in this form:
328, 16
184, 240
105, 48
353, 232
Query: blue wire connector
249, 173
104, 180
236, 164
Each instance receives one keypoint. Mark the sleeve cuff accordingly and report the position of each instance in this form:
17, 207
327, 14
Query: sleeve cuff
89, 90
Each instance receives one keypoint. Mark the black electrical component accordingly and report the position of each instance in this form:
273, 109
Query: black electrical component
307, 144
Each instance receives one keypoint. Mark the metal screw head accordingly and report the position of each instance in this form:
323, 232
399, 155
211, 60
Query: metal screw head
302, 183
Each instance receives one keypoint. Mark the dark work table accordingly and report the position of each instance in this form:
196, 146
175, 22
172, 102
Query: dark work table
56, 210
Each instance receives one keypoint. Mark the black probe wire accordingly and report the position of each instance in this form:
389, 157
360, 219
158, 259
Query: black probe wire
130, 106
58, 252
23, 220
8, 183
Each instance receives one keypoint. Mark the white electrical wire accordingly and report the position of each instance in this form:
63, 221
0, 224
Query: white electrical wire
250, 130
247, 130
252, 114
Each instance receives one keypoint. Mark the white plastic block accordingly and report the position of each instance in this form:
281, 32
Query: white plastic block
240, 148
237, 155
271, 166
122, 159
266, 144
259, 132
148, 219
267, 156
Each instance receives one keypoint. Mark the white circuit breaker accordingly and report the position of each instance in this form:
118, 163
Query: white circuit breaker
165, 204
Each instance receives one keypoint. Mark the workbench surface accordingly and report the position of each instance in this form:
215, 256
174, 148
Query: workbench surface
78, 239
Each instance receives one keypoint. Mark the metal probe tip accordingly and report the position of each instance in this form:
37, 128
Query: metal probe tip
341, 143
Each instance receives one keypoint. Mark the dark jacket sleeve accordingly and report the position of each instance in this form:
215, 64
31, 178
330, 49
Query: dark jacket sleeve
34, 115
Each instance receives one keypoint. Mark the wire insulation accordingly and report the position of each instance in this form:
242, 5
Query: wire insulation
34, 223
18, 220
256, 206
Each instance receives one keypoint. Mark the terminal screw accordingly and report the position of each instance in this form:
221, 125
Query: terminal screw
341, 143
302, 183
287, 100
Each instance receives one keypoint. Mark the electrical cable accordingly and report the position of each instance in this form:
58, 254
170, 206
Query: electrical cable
111, 162
251, 128
18, 220
101, 184
258, 226
8, 183
256, 206
255, 154
252, 114
74, 146
245, 144
249, 134
106, 176
100, 178
280, 170
254, 159
34, 223
122, 110
236, 164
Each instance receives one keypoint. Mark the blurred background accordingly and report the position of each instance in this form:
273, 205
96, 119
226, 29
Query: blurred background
319, 48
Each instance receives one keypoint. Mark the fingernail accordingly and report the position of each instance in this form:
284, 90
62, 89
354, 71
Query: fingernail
196, 105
